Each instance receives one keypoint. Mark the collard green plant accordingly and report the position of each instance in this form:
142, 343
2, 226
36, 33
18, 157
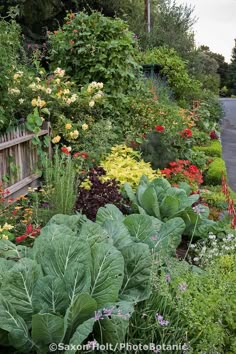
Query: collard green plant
78, 278
164, 202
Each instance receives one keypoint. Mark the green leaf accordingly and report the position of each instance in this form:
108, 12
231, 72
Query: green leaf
47, 329
137, 279
18, 285
50, 295
81, 333
149, 202
82, 309
161, 182
118, 232
93, 233
129, 192
169, 206
61, 253
12, 323
109, 212
107, 273
113, 329
74, 222
169, 236
46, 111
140, 226
10, 251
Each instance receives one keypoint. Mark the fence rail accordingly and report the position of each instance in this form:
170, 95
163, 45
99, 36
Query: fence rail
19, 159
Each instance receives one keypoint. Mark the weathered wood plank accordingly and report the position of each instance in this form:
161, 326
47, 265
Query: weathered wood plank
20, 140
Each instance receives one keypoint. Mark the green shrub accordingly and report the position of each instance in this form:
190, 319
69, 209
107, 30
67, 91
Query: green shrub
215, 171
96, 48
191, 306
10, 56
174, 68
209, 307
213, 150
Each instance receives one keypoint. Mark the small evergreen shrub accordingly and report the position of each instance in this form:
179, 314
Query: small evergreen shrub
215, 171
213, 150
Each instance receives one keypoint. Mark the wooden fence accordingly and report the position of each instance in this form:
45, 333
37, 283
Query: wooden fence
19, 160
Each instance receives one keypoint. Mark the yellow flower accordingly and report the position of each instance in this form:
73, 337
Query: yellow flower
74, 134
56, 139
68, 126
85, 126
18, 75
4, 237
91, 103
7, 227
37, 102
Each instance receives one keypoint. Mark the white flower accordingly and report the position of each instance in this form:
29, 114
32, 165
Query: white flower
91, 103
212, 237
74, 97
38, 79
59, 72
196, 259
21, 100
48, 90
33, 86
14, 91
69, 148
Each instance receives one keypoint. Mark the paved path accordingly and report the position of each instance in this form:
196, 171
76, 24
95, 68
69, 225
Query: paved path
228, 136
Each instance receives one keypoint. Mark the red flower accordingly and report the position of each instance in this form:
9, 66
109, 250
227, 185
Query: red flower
21, 238
193, 169
213, 135
75, 31
173, 164
159, 128
84, 155
76, 154
186, 133
29, 229
65, 150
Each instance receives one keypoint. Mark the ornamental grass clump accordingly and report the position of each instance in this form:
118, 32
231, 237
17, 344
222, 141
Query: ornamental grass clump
60, 183
126, 166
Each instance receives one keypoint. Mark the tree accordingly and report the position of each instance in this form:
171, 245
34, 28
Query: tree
232, 72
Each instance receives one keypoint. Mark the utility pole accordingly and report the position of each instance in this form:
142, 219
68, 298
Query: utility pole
148, 14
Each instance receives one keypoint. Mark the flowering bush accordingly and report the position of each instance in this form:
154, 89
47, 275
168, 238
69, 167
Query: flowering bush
207, 251
183, 171
17, 219
125, 165
95, 47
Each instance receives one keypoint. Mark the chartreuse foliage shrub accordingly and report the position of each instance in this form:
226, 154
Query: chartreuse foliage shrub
125, 165
215, 171
79, 278
214, 149
96, 48
159, 199
174, 68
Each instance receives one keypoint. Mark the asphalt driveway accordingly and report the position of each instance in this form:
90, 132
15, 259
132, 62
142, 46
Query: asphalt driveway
228, 137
